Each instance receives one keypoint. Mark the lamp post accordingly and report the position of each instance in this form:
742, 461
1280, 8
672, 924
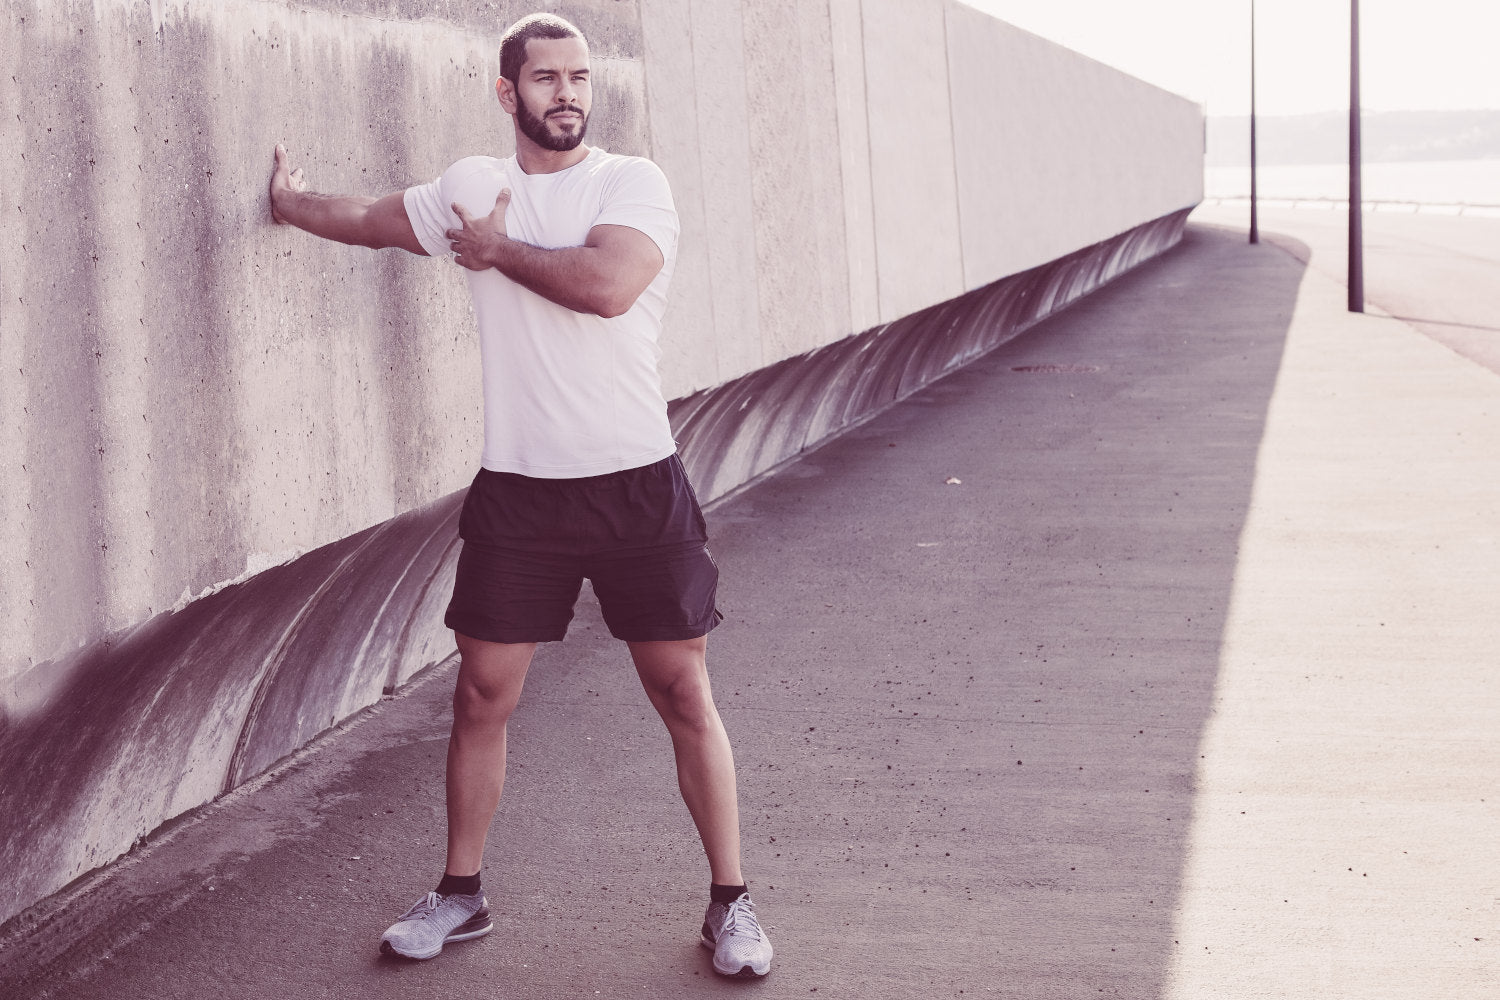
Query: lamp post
1356, 200
1254, 217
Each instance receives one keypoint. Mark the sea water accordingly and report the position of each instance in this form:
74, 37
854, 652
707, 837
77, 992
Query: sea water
1440, 182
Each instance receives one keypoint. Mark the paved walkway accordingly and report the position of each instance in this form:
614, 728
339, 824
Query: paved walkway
1186, 690
1438, 273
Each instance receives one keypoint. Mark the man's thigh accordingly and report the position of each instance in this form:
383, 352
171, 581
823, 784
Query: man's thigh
491, 673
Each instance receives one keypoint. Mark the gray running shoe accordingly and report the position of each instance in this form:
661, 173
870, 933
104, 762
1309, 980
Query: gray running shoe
434, 921
732, 933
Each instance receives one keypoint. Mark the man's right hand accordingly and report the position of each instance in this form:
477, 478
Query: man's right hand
354, 219
284, 181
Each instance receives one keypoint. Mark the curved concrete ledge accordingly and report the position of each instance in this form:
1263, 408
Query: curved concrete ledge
164, 717
735, 432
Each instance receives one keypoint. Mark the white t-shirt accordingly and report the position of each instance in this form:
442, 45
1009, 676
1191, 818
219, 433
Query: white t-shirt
566, 394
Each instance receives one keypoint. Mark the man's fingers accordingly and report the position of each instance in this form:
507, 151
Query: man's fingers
501, 201
463, 216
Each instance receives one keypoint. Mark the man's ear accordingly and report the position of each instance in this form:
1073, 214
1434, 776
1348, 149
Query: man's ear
505, 92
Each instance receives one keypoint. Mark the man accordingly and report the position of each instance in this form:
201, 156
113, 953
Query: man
569, 251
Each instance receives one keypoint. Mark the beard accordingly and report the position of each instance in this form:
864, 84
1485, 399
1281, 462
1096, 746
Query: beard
535, 128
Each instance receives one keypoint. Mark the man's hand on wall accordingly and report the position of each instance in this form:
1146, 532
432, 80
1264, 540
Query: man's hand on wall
473, 244
284, 180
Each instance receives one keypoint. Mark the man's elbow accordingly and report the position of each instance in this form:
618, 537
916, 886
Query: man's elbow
613, 302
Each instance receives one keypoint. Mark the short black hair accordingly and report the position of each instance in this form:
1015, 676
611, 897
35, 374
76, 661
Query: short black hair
513, 45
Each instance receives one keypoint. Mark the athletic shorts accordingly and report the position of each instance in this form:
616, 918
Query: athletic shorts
528, 544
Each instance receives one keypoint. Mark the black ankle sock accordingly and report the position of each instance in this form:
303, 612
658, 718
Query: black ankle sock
459, 885
725, 893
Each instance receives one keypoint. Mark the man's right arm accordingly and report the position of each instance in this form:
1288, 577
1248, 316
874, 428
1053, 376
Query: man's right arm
357, 220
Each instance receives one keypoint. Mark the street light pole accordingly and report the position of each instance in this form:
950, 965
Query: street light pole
1356, 199
1254, 216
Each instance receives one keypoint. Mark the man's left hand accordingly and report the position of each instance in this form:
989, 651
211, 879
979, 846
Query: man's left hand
473, 244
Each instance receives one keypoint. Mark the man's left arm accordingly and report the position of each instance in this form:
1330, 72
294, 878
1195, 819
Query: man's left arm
604, 276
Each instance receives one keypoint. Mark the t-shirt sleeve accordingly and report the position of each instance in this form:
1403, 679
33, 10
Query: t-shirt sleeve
431, 216
473, 182
638, 196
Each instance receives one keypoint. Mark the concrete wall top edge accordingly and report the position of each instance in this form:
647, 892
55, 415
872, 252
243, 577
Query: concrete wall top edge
610, 28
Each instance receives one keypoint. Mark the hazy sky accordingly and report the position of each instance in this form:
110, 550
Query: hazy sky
1414, 54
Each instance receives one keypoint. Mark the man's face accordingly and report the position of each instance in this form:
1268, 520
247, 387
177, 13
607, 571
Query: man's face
553, 97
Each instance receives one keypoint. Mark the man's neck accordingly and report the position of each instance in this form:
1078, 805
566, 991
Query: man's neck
536, 160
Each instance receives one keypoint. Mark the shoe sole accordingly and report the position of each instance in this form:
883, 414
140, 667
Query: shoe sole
476, 926
743, 972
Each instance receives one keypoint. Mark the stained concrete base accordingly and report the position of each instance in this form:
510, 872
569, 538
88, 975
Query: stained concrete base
1186, 689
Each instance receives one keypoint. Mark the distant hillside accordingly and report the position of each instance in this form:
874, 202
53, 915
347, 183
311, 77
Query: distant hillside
1390, 136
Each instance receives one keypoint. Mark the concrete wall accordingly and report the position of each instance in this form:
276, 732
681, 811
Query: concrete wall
190, 394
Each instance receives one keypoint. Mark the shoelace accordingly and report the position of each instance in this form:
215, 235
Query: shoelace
423, 908
740, 919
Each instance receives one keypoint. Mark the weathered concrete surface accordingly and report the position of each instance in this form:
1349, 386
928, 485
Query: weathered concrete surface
825, 154
194, 391
193, 395
164, 717
1202, 629
1057, 147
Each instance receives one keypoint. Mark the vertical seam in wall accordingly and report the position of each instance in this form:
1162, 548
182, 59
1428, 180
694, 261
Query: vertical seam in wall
843, 179
708, 229
958, 214
640, 33
759, 313
864, 68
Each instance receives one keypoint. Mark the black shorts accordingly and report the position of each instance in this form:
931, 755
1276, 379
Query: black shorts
637, 535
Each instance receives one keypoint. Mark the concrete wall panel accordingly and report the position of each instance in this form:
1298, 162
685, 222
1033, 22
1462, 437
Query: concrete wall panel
203, 388
912, 168
696, 91
846, 30
676, 143
728, 197
799, 224
1055, 151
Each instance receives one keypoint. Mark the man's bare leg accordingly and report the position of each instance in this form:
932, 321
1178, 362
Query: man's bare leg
675, 675
490, 676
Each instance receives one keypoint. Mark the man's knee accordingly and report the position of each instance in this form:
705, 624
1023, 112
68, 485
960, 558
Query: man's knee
479, 704
684, 698
490, 676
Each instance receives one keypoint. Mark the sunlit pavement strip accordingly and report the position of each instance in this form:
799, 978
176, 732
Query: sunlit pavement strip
1346, 831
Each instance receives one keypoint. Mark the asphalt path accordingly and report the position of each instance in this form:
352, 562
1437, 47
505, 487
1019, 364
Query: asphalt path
1149, 656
